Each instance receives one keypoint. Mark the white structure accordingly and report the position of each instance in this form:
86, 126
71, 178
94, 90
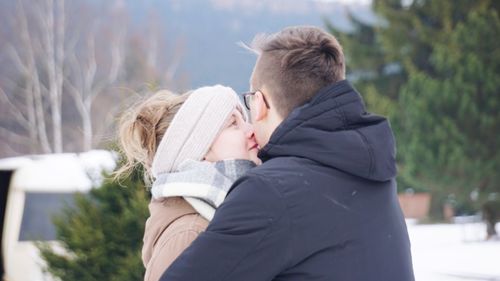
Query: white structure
36, 183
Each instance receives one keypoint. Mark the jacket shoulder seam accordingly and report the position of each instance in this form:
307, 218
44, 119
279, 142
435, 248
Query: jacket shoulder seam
370, 151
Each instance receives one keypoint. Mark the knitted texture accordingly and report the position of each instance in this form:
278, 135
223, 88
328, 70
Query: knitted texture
204, 185
195, 127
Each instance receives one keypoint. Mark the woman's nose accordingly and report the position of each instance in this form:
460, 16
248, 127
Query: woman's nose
249, 132
251, 135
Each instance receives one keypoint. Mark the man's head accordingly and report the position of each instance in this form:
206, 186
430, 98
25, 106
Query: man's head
292, 66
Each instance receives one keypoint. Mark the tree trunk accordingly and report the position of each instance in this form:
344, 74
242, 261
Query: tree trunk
491, 212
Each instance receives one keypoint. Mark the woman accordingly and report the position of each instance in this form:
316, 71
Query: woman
193, 146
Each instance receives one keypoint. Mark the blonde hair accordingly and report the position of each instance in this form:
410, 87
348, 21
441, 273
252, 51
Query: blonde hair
142, 127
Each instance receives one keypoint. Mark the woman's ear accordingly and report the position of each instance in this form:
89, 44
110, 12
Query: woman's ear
259, 110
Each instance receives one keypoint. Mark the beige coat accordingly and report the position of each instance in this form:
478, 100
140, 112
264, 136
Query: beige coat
170, 229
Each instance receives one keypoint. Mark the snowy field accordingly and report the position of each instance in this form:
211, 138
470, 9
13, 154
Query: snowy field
454, 252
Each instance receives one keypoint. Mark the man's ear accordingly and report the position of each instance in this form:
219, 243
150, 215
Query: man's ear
260, 110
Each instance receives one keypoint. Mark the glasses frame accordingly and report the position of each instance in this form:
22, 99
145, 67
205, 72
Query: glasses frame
248, 95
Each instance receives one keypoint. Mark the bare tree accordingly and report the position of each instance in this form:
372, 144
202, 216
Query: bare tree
86, 86
26, 64
40, 58
80, 66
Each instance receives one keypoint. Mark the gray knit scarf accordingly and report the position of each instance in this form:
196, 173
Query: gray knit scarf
204, 185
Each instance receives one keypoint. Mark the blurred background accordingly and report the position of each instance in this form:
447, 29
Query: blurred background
69, 68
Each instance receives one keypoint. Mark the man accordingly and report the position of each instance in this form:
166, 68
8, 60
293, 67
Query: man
323, 204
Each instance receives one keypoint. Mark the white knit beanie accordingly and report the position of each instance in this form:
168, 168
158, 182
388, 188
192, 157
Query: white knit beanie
195, 127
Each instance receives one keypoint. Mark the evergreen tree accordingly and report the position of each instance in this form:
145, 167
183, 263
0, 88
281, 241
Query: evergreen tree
443, 96
451, 114
377, 78
102, 234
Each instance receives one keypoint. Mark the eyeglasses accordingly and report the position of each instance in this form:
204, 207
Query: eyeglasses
247, 97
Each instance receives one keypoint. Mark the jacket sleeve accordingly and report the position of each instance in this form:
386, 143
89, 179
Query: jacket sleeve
246, 240
171, 243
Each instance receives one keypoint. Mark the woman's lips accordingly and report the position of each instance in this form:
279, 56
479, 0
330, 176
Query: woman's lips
256, 146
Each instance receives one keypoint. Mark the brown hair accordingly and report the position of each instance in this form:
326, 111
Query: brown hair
295, 64
142, 127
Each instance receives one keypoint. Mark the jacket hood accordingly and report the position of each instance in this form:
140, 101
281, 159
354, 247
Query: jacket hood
335, 130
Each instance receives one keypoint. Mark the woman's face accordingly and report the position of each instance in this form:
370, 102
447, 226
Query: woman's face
236, 141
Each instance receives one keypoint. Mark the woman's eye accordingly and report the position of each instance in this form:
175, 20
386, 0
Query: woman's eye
233, 123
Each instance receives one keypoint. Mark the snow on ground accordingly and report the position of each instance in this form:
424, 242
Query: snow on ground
454, 252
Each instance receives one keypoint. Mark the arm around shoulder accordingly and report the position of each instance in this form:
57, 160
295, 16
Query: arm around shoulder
246, 240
